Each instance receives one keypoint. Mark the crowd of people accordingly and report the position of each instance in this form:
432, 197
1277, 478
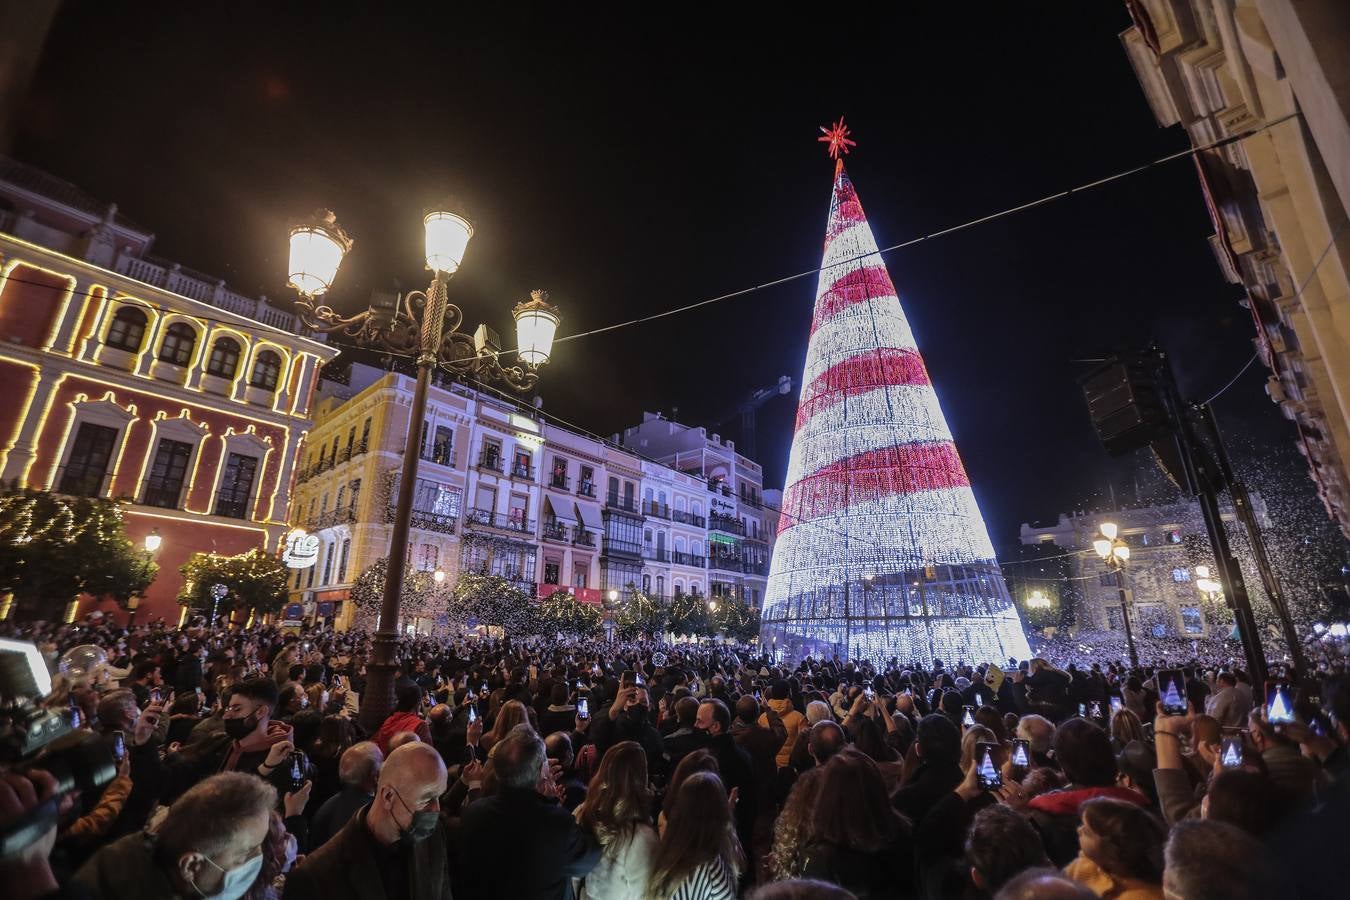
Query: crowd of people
555, 768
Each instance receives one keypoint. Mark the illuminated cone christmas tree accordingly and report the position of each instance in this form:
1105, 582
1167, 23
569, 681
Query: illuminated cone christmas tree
881, 550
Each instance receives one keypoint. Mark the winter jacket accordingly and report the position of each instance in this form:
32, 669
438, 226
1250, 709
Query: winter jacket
222, 753
1056, 816
624, 867
126, 868
793, 721
401, 721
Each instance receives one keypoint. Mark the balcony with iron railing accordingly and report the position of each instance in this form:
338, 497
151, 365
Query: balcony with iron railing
724, 562
656, 554
685, 518
426, 520
442, 457
688, 559
656, 510
752, 500
559, 481
522, 471
330, 517
517, 524
490, 462
726, 524
760, 569
624, 504
554, 531
586, 489
583, 538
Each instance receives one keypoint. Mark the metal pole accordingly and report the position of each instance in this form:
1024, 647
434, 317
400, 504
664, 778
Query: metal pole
1198, 480
1242, 504
377, 701
1125, 617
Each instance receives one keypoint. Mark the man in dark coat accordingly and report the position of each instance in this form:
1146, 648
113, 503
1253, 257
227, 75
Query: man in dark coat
519, 842
628, 719
733, 765
191, 855
937, 742
393, 848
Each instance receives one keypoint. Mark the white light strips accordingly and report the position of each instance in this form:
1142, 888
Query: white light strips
883, 551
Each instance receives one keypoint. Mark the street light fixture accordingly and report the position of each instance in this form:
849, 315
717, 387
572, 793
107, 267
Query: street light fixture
439, 576
1208, 585
1115, 553
613, 595
1038, 600
152, 541
423, 325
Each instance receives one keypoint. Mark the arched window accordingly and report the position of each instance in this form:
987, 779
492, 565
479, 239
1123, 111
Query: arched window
127, 330
266, 371
177, 345
224, 359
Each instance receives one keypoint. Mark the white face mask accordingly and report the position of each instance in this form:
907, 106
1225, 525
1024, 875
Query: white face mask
236, 881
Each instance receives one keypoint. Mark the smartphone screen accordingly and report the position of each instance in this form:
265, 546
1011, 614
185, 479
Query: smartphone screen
1021, 754
297, 772
473, 715
1230, 757
583, 708
1096, 710
1279, 703
483, 689
967, 716
979, 699
1172, 692
985, 770
1116, 704
155, 695
119, 745
1082, 710
869, 693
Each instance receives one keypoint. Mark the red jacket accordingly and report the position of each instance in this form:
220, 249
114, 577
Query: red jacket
401, 721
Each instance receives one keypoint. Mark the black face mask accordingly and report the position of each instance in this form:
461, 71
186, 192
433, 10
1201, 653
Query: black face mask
241, 728
421, 826
637, 714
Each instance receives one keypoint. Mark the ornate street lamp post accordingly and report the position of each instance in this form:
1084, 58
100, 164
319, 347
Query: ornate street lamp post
424, 325
1115, 553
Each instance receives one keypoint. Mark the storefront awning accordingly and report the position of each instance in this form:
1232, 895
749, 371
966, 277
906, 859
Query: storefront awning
563, 512
590, 516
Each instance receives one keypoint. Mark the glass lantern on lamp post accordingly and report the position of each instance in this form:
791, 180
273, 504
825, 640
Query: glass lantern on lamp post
1115, 553
425, 326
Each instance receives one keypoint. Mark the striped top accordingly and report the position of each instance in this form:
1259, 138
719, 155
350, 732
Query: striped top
714, 880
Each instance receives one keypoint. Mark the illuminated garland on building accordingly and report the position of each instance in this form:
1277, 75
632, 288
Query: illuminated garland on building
882, 551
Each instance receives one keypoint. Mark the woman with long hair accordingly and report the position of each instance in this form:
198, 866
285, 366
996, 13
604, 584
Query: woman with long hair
1120, 851
617, 810
854, 836
698, 761
336, 734
512, 713
1125, 727
699, 857
790, 829
975, 734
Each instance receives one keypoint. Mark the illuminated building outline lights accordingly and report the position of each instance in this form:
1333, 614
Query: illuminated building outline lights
882, 551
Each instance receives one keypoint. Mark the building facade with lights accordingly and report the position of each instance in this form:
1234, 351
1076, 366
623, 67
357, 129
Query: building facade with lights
1167, 544
1278, 199
132, 378
718, 484
502, 491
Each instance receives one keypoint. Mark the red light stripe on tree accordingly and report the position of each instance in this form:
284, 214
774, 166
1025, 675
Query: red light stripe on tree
858, 374
856, 286
889, 472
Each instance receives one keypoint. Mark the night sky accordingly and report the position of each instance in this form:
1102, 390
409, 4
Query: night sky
631, 164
